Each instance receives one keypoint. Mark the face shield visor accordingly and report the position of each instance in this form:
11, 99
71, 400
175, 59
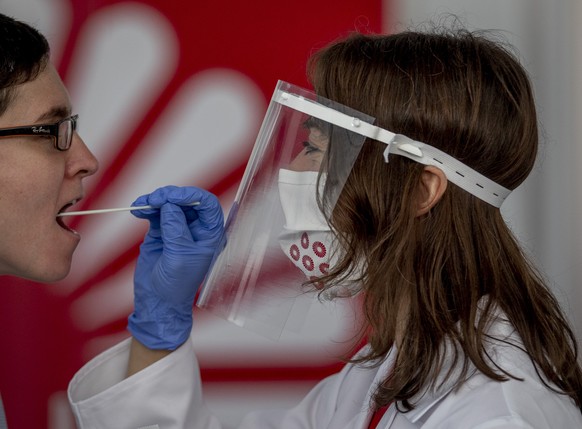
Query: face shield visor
277, 235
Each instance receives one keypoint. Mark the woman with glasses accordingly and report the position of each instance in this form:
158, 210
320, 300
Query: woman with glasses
43, 162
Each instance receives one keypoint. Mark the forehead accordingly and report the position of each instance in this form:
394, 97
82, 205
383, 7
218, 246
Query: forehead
42, 99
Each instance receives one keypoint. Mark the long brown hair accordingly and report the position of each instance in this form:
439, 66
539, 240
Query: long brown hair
468, 95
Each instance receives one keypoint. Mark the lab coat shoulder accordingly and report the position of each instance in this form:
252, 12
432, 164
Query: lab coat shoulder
167, 394
338, 402
522, 401
482, 403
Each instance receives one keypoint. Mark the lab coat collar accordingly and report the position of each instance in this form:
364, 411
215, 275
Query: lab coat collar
501, 334
424, 401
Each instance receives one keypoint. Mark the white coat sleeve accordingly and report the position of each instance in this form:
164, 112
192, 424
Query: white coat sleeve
166, 394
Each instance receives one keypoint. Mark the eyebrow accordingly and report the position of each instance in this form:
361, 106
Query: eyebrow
56, 112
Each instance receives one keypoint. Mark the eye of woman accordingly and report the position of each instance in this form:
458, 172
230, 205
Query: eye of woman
309, 148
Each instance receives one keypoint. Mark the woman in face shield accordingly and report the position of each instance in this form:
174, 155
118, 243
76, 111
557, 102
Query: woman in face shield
462, 330
445, 282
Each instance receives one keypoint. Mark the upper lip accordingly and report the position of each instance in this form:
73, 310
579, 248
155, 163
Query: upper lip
70, 203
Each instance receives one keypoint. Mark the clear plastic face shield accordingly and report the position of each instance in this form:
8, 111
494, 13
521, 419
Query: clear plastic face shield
277, 236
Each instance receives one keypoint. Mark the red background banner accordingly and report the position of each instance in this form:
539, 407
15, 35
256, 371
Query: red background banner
44, 337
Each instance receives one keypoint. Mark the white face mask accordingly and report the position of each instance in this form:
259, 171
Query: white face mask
298, 192
307, 239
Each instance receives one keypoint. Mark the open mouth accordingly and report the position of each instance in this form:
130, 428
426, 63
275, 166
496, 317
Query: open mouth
60, 219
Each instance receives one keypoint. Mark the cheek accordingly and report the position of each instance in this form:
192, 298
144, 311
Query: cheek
307, 161
29, 191
28, 199
32, 245
25, 213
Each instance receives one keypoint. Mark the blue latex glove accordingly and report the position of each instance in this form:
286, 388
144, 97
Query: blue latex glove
173, 260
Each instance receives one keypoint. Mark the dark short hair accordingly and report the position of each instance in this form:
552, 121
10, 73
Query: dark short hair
24, 53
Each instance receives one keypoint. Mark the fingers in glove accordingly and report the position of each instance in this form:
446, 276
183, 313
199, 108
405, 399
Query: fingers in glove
205, 220
175, 231
208, 211
155, 199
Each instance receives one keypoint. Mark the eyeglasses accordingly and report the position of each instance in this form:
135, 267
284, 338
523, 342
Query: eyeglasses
62, 132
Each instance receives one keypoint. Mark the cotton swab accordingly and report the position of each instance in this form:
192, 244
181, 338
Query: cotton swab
118, 209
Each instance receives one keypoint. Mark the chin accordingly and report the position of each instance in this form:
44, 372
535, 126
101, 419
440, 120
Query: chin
56, 277
56, 267
52, 274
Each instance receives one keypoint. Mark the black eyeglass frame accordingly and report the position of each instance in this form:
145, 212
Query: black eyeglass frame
51, 130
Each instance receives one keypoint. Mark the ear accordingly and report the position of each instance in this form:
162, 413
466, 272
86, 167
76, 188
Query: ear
432, 186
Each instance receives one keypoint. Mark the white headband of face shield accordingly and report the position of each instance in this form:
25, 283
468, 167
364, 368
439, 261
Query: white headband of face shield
398, 144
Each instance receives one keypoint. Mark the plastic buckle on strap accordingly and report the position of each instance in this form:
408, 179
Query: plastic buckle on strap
411, 149
404, 147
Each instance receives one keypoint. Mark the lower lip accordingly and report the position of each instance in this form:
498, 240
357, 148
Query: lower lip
64, 226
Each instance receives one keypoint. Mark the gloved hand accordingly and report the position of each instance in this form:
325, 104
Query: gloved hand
173, 260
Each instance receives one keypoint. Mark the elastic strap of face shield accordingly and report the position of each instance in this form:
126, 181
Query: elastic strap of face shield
457, 172
398, 144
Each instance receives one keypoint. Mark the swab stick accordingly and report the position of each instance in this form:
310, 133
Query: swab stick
118, 209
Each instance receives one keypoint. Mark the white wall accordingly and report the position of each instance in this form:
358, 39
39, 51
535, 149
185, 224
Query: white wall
546, 212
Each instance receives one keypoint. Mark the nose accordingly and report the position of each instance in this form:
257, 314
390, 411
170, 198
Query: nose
81, 160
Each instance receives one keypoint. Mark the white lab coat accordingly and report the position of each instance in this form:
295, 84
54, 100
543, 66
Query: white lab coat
168, 395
